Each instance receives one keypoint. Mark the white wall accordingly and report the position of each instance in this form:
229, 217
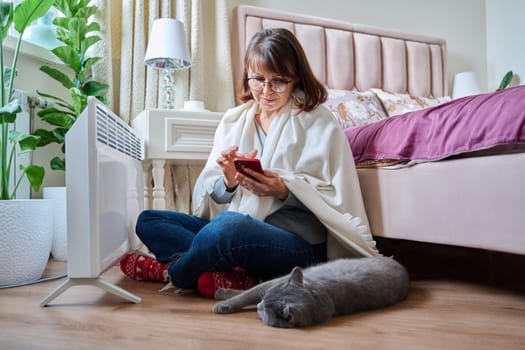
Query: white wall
505, 41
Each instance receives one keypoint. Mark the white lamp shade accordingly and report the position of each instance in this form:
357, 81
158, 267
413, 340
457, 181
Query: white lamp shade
465, 84
167, 45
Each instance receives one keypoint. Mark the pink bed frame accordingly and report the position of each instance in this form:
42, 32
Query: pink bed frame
476, 202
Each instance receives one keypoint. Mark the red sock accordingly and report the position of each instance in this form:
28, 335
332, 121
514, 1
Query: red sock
141, 267
209, 282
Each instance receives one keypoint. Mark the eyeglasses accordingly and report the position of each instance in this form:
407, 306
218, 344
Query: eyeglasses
277, 85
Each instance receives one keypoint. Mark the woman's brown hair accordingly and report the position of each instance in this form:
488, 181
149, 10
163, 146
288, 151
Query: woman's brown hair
278, 51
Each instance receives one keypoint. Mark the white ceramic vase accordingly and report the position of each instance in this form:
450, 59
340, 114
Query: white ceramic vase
26, 234
58, 196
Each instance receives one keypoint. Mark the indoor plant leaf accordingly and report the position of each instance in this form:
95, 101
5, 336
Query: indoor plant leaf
57, 118
6, 17
58, 163
67, 55
46, 137
89, 41
27, 143
58, 101
58, 76
29, 11
507, 78
78, 33
26, 12
9, 111
94, 88
35, 175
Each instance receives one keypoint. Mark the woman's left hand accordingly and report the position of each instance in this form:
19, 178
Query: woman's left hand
267, 184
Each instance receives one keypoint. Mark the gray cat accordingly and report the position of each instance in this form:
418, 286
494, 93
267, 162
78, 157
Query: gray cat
316, 294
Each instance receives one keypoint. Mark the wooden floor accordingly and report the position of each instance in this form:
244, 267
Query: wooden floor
460, 299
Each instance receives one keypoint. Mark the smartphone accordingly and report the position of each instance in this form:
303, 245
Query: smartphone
250, 163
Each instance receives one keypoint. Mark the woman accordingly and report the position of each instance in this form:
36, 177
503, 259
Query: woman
264, 223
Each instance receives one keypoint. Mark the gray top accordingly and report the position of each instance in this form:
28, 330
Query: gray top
293, 216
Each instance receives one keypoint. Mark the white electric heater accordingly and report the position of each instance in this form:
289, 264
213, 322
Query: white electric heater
105, 194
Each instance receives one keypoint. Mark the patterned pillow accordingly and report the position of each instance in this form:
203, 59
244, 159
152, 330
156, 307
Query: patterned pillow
396, 103
353, 108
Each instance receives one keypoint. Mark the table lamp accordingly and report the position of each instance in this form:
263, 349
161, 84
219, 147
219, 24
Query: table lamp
167, 51
465, 84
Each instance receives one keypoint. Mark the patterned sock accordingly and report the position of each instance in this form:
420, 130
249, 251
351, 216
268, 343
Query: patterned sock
209, 282
143, 268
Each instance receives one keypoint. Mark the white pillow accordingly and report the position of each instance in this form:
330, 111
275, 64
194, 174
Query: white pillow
353, 108
397, 103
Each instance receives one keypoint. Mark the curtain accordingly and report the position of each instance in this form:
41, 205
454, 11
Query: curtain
135, 87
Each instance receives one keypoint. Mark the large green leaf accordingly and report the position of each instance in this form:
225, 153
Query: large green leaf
58, 163
69, 56
9, 111
94, 88
103, 100
74, 34
63, 36
87, 11
79, 100
42, 113
60, 134
89, 62
46, 137
88, 65
27, 143
64, 7
35, 175
6, 17
58, 99
28, 11
83, 4
60, 21
58, 118
7, 118
92, 27
58, 76
89, 41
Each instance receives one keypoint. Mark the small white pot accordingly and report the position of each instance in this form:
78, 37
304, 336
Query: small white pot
26, 234
58, 196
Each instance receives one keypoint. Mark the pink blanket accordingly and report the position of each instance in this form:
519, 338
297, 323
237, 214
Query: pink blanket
467, 124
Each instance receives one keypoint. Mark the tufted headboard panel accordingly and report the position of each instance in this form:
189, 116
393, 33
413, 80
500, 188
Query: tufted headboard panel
352, 56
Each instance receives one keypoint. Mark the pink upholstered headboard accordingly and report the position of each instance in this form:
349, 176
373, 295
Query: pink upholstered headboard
352, 56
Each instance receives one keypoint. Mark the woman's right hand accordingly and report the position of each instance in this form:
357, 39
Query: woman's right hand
225, 162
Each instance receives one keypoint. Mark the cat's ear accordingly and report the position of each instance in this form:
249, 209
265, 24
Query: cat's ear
297, 276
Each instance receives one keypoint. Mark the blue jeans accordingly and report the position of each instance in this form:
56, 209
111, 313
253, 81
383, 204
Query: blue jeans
193, 245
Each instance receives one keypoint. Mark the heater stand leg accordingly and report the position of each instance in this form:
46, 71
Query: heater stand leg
98, 282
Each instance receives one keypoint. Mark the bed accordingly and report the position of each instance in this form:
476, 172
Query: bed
470, 194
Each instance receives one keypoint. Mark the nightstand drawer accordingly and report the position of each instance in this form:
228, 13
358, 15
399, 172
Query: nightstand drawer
178, 135
185, 135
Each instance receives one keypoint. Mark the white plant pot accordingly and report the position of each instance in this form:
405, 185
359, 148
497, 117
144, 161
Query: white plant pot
26, 234
58, 196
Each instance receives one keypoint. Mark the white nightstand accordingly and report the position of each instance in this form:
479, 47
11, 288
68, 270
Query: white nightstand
179, 136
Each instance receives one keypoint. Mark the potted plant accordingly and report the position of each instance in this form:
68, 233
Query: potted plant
26, 225
78, 32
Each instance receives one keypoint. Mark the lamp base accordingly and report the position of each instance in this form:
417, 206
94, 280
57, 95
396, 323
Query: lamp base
168, 87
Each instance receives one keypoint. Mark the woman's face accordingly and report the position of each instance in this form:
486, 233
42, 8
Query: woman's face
271, 91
